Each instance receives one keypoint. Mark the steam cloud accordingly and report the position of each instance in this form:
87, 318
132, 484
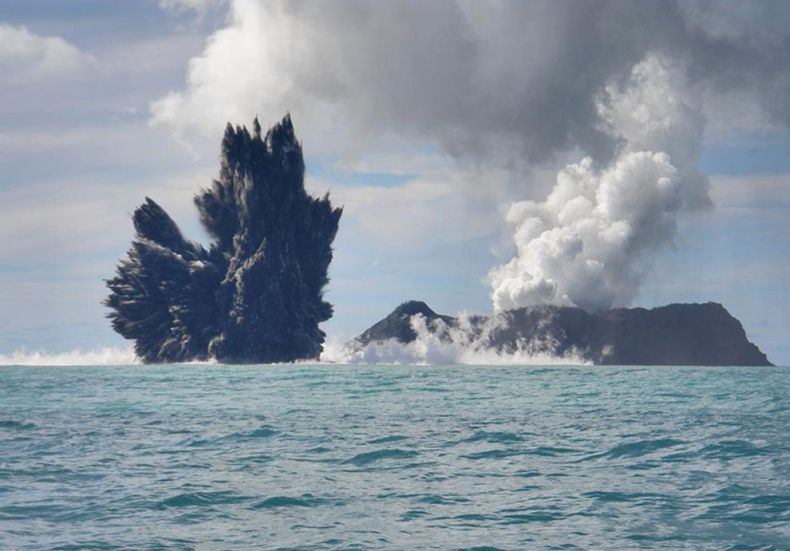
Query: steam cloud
589, 243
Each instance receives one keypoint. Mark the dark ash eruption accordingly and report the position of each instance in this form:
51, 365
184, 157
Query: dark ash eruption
256, 295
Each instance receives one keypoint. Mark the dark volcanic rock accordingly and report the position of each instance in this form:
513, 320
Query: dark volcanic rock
398, 324
256, 296
677, 334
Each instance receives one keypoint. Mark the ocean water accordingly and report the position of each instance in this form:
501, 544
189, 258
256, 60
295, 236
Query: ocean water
352, 457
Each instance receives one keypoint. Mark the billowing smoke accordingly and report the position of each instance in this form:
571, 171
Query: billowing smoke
492, 81
590, 242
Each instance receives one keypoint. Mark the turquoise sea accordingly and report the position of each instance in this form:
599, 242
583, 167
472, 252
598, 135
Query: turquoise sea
352, 457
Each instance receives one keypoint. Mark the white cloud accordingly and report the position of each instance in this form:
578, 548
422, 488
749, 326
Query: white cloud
51, 224
28, 57
398, 162
437, 208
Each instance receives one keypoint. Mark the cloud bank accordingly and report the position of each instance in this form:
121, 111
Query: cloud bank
27, 57
480, 79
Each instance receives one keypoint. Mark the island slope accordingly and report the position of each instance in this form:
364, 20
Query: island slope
676, 334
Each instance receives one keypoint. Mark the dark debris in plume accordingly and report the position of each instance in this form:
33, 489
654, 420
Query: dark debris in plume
256, 295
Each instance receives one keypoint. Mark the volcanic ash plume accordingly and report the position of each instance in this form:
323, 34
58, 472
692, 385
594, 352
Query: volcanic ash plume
257, 294
590, 242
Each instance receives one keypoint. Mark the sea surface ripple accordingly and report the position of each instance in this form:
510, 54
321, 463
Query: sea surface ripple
350, 457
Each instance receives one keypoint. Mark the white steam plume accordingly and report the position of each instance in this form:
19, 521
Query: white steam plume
591, 241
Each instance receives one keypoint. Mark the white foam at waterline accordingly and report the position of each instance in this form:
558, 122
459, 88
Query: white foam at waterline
96, 356
429, 348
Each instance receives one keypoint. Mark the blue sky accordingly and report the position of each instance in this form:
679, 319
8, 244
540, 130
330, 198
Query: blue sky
103, 103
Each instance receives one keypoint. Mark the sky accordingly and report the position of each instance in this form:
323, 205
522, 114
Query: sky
455, 135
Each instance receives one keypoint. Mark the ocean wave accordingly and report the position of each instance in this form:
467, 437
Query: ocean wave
11, 424
379, 455
636, 449
275, 502
200, 499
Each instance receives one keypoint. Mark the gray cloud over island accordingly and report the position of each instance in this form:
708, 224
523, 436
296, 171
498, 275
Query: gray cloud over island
627, 85
486, 80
